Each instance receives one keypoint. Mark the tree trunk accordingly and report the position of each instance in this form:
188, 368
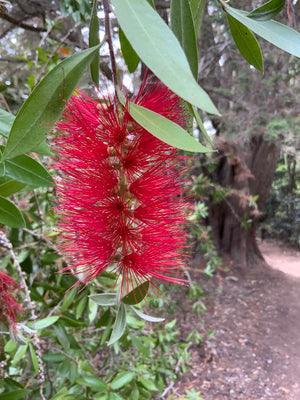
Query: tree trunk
247, 169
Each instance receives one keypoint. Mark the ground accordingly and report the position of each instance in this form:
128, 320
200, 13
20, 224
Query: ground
254, 352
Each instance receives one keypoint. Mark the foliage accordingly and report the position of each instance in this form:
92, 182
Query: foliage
281, 216
74, 331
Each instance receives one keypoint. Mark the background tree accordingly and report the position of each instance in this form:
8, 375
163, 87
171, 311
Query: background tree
249, 150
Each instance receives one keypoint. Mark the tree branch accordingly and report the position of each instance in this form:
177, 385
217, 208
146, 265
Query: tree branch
21, 24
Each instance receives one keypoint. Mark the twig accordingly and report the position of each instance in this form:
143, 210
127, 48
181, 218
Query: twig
110, 42
5, 103
54, 52
33, 233
35, 340
40, 217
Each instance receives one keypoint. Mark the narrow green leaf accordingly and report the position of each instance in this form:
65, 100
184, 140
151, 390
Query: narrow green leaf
246, 43
94, 41
200, 124
62, 337
45, 322
69, 298
104, 299
136, 295
182, 25
160, 50
267, 11
2, 169
6, 121
119, 325
54, 357
106, 332
20, 353
81, 307
10, 215
130, 57
93, 309
70, 321
164, 129
94, 383
63, 395
278, 34
26, 170
147, 317
34, 358
46, 103
121, 380
19, 394
197, 8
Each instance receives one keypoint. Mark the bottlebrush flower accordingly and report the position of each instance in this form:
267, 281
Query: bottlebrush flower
120, 190
9, 306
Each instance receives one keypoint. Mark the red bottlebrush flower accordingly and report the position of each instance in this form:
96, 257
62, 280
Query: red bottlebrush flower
120, 190
9, 306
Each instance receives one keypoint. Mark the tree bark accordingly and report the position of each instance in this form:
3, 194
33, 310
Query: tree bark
246, 173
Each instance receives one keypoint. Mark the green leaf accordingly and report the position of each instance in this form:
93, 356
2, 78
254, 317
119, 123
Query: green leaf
136, 295
34, 358
246, 43
94, 41
200, 124
164, 129
147, 317
63, 395
54, 357
6, 121
119, 325
19, 394
197, 8
46, 103
10, 215
10, 346
69, 298
81, 307
121, 380
267, 11
70, 321
62, 336
278, 34
45, 322
160, 50
149, 385
115, 396
2, 169
92, 382
130, 57
104, 299
93, 309
140, 346
26, 170
20, 353
182, 25
9, 186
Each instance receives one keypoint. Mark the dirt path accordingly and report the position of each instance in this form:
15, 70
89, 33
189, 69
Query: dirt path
278, 256
254, 353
